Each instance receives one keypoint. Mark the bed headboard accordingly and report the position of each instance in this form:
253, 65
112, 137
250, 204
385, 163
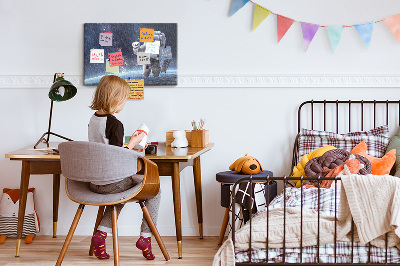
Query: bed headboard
347, 116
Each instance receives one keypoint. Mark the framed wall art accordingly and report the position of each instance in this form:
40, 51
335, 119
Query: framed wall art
132, 51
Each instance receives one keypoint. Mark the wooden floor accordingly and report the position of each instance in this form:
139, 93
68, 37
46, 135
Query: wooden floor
44, 250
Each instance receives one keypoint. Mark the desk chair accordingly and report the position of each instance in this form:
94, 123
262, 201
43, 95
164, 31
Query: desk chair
82, 162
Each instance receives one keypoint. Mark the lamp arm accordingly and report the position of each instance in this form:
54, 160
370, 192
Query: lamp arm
50, 116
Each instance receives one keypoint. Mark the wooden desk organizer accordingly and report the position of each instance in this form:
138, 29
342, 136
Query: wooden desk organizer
196, 138
200, 138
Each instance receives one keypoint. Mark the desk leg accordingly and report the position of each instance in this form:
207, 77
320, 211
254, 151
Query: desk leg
197, 187
176, 190
56, 199
25, 175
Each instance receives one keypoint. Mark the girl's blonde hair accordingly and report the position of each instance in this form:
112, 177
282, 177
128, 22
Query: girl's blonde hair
109, 93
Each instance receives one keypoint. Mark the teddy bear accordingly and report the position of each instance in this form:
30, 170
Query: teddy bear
180, 140
9, 205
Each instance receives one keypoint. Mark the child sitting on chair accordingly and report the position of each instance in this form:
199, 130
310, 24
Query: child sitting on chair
110, 98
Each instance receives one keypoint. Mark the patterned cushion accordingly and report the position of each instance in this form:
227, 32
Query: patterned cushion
377, 139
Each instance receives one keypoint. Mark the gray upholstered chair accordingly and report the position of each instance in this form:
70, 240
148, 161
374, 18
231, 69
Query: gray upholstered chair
83, 162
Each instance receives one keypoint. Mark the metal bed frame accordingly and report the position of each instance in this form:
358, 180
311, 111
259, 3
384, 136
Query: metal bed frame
338, 106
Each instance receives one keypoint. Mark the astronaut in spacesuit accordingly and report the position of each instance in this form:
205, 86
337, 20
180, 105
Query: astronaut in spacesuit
154, 65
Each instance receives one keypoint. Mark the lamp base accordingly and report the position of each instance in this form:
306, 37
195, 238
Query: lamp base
45, 139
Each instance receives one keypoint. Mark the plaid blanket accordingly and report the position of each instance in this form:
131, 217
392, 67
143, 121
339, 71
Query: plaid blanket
326, 254
292, 198
244, 201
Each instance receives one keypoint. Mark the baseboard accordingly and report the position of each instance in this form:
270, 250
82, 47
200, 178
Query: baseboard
129, 231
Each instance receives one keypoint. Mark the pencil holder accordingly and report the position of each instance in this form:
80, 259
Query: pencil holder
199, 138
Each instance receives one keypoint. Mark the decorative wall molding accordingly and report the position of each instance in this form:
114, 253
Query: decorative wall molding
186, 81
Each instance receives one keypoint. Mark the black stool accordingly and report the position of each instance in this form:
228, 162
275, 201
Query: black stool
229, 178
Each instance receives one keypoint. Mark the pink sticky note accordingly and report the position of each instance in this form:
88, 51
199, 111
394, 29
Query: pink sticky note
116, 59
97, 56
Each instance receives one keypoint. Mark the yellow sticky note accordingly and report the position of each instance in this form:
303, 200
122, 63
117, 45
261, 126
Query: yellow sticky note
146, 35
137, 89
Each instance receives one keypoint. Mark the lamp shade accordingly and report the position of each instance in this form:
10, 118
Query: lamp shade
62, 90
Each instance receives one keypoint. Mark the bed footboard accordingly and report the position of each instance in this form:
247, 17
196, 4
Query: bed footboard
318, 256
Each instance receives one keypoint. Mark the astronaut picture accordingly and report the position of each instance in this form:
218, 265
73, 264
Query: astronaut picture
147, 51
157, 64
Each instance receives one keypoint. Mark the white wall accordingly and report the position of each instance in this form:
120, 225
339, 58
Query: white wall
40, 38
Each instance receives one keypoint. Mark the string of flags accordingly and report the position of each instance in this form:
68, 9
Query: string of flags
309, 30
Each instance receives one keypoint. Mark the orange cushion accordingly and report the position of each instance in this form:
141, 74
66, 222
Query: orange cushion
380, 166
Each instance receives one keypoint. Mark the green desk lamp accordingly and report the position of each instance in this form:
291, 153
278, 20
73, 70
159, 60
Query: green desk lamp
61, 90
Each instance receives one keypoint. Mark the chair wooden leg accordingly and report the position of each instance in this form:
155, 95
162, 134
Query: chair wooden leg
98, 220
115, 235
154, 230
70, 234
223, 227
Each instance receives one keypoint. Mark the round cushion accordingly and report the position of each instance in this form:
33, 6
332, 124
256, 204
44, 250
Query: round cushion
230, 177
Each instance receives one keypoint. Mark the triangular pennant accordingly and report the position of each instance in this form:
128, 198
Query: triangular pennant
236, 5
365, 32
283, 24
393, 23
309, 31
335, 34
260, 13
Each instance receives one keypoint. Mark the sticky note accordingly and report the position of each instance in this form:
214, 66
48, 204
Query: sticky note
146, 35
137, 89
105, 39
114, 69
143, 58
165, 53
116, 59
153, 47
96, 55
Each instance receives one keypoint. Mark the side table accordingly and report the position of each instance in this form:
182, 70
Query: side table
228, 178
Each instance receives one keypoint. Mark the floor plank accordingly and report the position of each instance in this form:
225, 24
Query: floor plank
44, 251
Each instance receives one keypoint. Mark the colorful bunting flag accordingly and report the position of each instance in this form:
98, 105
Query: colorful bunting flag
365, 32
236, 5
335, 35
393, 23
260, 13
309, 31
283, 25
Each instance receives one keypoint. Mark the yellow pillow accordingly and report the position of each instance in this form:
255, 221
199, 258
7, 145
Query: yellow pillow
298, 170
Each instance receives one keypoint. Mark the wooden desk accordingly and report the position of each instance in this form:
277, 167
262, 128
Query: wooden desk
170, 162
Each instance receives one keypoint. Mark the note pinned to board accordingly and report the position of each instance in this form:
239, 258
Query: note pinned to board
137, 89
143, 58
96, 55
116, 59
153, 47
114, 69
105, 39
165, 53
146, 35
